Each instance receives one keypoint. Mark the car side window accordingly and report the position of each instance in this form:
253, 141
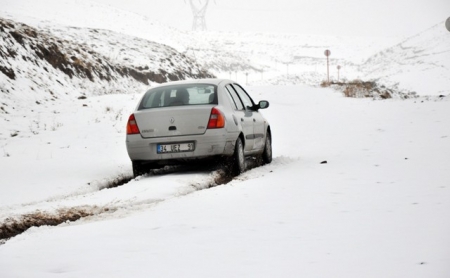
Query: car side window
248, 102
234, 98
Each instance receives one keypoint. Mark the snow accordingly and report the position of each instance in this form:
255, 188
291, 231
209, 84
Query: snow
357, 187
377, 208
416, 64
261, 55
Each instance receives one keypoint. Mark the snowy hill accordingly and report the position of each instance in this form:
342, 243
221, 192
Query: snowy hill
420, 63
266, 56
263, 56
42, 65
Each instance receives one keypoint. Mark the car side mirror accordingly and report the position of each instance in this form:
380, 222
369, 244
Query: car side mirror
263, 104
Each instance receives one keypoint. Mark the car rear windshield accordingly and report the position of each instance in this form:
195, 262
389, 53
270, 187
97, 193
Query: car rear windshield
178, 95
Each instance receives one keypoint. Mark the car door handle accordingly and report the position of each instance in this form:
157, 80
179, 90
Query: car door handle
242, 119
254, 120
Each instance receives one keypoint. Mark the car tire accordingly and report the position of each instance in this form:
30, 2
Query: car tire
267, 154
138, 169
237, 161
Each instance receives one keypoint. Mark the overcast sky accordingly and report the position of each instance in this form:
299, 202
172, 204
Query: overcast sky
320, 17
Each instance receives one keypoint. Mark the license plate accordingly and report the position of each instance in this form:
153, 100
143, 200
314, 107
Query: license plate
175, 148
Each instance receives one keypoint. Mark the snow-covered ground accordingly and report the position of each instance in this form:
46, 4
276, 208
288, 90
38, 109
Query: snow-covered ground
379, 207
357, 187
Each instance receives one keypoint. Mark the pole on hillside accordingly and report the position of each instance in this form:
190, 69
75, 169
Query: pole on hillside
328, 53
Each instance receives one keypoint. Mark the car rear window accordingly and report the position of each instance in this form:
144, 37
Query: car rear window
178, 95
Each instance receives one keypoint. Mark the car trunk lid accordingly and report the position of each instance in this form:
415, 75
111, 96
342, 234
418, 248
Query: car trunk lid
173, 121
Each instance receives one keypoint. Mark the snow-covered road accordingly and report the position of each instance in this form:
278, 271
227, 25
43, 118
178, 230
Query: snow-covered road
379, 207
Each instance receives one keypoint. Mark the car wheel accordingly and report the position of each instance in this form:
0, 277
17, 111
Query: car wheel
267, 154
237, 162
138, 169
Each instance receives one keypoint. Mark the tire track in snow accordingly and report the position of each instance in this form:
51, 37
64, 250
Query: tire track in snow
138, 194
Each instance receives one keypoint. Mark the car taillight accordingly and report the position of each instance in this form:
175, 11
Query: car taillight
216, 119
132, 127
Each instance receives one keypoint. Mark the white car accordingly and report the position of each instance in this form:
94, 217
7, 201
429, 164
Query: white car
182, 121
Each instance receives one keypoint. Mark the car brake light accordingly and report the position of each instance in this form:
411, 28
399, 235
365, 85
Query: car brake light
216, 119
132, 127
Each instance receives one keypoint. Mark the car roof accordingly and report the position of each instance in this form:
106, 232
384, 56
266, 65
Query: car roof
212, 81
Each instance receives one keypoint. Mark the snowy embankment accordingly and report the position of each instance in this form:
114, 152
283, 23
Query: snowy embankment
377, 208
42, 65
419, 64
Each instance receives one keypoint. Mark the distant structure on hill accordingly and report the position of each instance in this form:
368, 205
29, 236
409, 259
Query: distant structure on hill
199, 23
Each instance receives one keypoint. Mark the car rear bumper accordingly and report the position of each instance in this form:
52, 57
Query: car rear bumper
212, 143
